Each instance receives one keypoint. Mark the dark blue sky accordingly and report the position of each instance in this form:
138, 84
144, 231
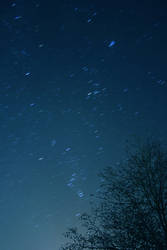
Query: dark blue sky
77, 79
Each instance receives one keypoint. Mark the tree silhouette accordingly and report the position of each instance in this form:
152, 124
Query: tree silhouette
131, 212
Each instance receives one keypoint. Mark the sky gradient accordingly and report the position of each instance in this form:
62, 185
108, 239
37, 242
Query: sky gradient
77, 79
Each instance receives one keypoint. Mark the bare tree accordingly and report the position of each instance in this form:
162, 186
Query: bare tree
131, 212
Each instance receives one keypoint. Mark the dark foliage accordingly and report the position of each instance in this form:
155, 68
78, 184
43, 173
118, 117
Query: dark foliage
132, 208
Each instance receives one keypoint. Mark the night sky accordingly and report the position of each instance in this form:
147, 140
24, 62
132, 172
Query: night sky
77, 79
